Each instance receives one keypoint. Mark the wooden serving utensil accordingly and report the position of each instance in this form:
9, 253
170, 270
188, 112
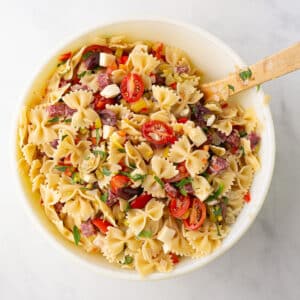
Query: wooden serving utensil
271, 67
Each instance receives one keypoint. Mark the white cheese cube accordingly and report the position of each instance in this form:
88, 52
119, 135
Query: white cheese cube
107, 131
166, 248
110, 91
211, 120
166, 234
106, 59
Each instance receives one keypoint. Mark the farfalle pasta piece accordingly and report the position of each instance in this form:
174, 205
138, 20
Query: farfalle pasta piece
40, 131
104, 179
219, 151
133, 156
176, 56
143, 63
35, 176
163, 168
29, 152
54, 91
49, 195
23, 127
145, 150
250, 120
90, 81
196, 134
143, 266
153, 187
151, 249
165, 97
80, 100
224, 126
137, 218
225, 179
250, 158
164, 116
118, 75
202, 188
244, 178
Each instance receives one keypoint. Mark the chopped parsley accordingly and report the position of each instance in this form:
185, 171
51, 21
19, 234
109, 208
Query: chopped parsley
159, 181
218, 211
81, 74
68, 120
183, 182
76, 235
121, 150
132, 165
97, 136
244, 75
243, 133
231, 87
216, 194
53, 120
242, 150
145, 234
225, 200
218, 229
104, 197
102, 154
134, 177
60, 168
63, 137
105, 172
87, 55
183, 191
75, 177
127, 207
127, 260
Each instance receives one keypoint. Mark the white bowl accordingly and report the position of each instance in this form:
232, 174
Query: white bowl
216, 60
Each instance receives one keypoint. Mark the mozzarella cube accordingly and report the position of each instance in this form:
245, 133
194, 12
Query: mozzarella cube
166, 248
110, 91
107, 131
166, 234
211, 120
106, 59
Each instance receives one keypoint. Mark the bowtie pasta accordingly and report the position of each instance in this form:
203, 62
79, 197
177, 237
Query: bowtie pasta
131, 161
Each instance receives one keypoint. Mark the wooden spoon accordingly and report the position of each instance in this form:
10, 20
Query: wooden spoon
281, 63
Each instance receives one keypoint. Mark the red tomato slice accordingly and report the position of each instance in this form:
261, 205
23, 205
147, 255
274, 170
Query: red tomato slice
100, 102
182, 120
101, 224
97, 48
197, 215
173, 85
140, 201
247, 197
118, 182
65, 56
123, 59
158, 132
179, 206
132, 87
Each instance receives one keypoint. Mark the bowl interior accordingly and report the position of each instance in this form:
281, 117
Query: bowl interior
215, 60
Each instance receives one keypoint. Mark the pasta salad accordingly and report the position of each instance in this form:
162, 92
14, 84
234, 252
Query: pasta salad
131, 161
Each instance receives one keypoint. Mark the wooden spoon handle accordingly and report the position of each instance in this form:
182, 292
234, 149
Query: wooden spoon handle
276, 65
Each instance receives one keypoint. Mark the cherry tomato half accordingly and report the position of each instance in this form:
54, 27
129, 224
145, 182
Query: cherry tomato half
140, 201
132, 87
197, 215
100, 102
178, 206
118, 182
158, 132
101, 224
97, 48
65, 56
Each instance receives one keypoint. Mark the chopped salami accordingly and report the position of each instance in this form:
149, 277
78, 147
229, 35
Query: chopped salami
233, 139
254, 139
159, 79
215, 137
108, 117
58, 207
200, 114
87, 228
189, 188
171, 190
128, 192
60, 110
217, 165
182, 69
54, 143
103, 80
112, 199
92, 61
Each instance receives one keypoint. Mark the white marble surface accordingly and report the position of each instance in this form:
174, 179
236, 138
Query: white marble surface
265, 264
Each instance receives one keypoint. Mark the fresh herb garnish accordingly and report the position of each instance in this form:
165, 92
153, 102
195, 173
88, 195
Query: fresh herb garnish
183, 191
60, 168
258, 87
127, 207
63, 137
102, 154
81, 74
205, 174
61, 63
218, 211
68, 120
75, 177
105, 172
159, 181
134, 177
53, 120
242, 150
87, 55
244, 75
225, 200
127, 260
183, 182
218, 229
76, 235
216, 194
104, 197
97, 136
145, 234
84, 188
231, 87
132, 165
121, 150
242, 133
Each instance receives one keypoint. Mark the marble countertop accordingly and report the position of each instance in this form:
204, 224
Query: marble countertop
265, 263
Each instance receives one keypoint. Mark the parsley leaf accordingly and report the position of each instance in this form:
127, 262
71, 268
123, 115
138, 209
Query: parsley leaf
231, 87
218, 211
127, 207
121, 150
127, 260
106, 172
137, 177
102, 154
225, 200
145, 234
218, 229
104, 197
132, 165
53, 120
183, 191
159, 181
183, 182
76, 235
81, 74
87, 55
63, 137
68, 120
216, 194
242, 150
244, 75
60, 168
242, 133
